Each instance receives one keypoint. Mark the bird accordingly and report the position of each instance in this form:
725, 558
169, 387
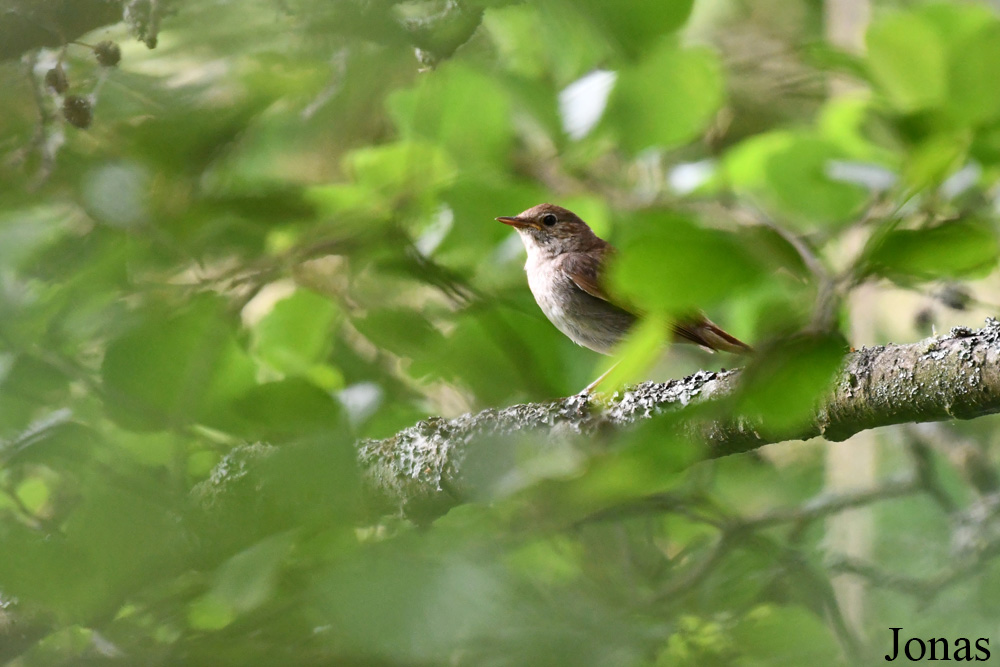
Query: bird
566, 268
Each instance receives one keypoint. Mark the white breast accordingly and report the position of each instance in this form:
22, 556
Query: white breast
542, 277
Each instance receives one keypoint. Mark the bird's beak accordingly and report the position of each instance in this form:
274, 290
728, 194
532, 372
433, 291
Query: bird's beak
518, 223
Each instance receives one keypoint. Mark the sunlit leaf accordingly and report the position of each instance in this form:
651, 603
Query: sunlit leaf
669, 264
931, 161
908, 61
637, 352
404, 168
791, 171
666, 99
975, 64
524, 34
460, 109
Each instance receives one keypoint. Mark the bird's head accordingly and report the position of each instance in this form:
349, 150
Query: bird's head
552, 230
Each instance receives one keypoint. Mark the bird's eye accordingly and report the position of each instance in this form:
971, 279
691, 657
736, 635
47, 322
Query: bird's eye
549, 219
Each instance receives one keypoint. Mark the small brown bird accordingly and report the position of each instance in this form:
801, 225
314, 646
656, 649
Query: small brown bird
565, 267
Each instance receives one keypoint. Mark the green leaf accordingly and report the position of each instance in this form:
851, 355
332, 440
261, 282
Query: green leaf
399, 330
33, 493
973, 95
286, 410
500, 351
209, 613
931, 161
635, 25
114, 540
852, 125
460, 109
798, 177
258, 490
650, 459
638, 352
970, 36
174, 370
524, 34
784, 381
790, 172
241, 584
670, 265
403, 606
771, 635
666, 99
296, 336
402, 168
954, 249
908, 61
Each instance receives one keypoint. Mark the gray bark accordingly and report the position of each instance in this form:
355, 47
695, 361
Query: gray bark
954, 376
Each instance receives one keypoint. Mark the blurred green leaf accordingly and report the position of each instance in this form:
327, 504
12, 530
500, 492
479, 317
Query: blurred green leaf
524, 34
774, 636
401, 331
637, 352
258, 490
800, 179
406, 168
650, 460
908, 61
406, 606
975, 64
209, 613
948, 250
33, 493
935, 158
783, 382
118, 537
175, 370
29, 378
286, 410
296, 336
633, 26
666, 99
791, 171
853, 125
460, 109
241, 584
668, 264
501, 352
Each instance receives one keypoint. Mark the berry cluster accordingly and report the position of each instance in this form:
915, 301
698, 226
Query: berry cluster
78, 110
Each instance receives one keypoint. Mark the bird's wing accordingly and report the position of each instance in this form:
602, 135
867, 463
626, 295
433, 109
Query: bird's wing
584, 270
702, 331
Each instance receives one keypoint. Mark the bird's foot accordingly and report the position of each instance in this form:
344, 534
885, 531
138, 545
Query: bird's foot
589, 389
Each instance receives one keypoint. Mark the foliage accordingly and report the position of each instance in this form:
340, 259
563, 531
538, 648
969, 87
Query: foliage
278, 228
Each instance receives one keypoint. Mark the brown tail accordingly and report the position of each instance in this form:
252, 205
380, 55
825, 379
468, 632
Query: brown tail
702, 331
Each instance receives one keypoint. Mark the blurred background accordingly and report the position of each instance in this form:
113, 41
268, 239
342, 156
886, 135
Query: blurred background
226, 259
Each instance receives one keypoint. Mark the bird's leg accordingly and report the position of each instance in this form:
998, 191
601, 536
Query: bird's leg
593, 385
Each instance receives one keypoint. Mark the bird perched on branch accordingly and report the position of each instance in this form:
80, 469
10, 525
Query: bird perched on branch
566, 270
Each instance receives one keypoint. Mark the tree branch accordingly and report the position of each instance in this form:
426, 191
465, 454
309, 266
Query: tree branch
955, 376
26, 25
